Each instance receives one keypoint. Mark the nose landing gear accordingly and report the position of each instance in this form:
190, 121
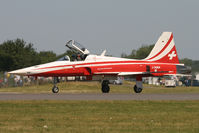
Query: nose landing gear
55, 89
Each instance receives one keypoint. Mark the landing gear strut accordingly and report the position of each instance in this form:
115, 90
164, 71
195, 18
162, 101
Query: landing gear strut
55, 89
138, 87
105, 86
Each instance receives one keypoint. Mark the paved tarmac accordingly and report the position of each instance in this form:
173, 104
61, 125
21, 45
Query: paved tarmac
110, 96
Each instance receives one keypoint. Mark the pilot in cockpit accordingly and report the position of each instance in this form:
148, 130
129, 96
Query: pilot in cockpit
80, 52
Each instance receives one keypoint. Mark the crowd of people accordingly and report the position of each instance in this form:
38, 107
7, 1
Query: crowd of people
7, 80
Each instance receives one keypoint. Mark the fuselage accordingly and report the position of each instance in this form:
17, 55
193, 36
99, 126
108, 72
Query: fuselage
162, 60
99, 65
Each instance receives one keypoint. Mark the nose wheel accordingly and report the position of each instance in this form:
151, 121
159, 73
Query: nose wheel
55, 89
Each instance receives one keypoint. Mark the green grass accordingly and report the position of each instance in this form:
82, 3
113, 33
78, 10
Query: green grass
99, 116
95, 87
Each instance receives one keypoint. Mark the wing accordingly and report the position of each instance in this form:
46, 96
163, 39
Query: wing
130, 73
122, 73
133, 73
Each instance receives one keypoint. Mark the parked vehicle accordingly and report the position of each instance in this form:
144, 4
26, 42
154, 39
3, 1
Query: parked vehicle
118, 81
170, 83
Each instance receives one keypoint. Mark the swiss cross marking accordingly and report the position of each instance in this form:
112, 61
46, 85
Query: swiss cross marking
172, 55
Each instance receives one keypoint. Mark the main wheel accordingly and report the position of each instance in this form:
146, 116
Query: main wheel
105, 86
55, 89
137, 90
105, 89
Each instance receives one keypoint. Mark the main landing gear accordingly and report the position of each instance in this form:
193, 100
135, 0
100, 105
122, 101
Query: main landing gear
138, 87
105, 86
55, 89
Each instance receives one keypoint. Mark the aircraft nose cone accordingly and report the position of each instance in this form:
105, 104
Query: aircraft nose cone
18, 72
23, 72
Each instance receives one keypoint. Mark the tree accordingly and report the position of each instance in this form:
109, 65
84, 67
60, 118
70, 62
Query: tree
68, 52
186, 61
141, 53
17, 54
5, 62
47, 56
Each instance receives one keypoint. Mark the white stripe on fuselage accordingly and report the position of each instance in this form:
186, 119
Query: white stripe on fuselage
56, 68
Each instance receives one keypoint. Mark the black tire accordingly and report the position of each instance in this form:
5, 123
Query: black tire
55, 89
137, 90
105, 89
105, 86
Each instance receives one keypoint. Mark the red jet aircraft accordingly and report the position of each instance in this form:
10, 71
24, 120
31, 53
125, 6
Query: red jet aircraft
163, 60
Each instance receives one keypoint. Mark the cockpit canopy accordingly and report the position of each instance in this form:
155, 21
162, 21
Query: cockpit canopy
77, 48
80, 52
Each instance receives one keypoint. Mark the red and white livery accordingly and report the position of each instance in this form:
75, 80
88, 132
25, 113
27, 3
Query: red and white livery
163, 60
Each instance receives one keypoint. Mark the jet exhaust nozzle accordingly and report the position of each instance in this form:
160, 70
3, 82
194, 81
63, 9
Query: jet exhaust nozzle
183, 69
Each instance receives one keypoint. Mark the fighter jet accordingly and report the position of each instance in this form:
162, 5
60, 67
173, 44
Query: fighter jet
163, 60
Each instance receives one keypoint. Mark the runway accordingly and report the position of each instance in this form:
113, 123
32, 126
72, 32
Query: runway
110, 96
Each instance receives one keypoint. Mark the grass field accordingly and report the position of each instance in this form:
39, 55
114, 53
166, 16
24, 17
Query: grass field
95, 87
99, 116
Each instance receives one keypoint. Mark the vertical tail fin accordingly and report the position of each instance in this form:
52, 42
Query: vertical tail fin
164, 50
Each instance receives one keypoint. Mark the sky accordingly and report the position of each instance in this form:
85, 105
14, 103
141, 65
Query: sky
119, 26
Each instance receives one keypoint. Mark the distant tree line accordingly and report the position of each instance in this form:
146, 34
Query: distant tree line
16, 54
140, 53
